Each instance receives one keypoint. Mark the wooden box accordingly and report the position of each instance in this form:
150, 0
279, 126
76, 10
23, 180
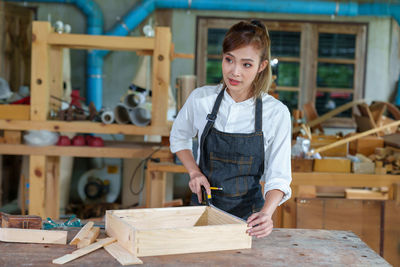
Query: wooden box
302, 165
365, 145
323, 140
20, 221
332, 165
164, 231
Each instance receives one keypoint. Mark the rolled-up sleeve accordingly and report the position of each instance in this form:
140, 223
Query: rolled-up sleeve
278, 174
183, 129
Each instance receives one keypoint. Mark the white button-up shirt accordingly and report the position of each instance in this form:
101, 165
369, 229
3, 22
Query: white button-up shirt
239, 117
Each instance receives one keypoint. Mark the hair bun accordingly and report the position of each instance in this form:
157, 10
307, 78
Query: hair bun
258, 24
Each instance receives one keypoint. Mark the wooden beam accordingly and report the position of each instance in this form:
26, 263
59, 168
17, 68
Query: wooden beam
343, 179
122, 255
86, 127
14, 112
37, 186
85, 41
83, 251
52, 188
33, 236
161, 76
108, 151
155, 189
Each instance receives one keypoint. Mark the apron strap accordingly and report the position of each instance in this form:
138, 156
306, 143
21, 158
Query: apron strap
258, 117
210, 120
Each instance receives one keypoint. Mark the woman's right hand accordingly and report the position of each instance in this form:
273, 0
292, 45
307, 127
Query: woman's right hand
197, 180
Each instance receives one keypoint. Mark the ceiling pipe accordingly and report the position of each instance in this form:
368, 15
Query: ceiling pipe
146, 7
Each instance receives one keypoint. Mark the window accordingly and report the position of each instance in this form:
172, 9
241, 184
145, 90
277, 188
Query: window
314, 62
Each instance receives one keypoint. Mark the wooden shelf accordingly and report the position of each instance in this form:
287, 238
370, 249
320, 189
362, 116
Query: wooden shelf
111, 149
84, 127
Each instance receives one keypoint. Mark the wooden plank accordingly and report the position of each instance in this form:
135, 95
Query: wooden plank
14, 112
130, 151
52, 188
82, 233
332, 165
85, 41
391, 240
365, 194
166, 167
33, 236
355, 137
122, 231
155, 189
40, 86
85, 127
37, 186
178, 241
56, 76
309, 213
83, 251
12, 137
162, 218
343, 179
334, 214
90, 238
161, 76
122, 255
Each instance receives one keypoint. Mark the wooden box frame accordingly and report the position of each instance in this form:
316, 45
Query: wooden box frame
165, 231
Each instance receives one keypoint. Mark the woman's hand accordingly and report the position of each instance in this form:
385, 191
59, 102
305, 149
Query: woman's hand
197, 179
260, 224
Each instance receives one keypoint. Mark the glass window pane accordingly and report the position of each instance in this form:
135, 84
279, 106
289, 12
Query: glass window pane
326, 102
336, 45
289, 98
335, 75
214, 71
287, 73
215, 39
285, 44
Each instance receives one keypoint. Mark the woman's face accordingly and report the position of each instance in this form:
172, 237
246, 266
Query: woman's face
239, 68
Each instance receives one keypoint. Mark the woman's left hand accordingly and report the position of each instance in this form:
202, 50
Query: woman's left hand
260, 224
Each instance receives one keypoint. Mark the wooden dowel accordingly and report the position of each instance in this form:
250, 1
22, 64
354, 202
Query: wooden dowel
354, 137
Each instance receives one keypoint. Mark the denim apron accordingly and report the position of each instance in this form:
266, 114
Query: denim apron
235, 163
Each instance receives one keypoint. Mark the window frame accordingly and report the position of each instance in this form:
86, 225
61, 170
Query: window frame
308, 58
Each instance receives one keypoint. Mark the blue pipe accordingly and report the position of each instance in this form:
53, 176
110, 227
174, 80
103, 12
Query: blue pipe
95, 24
146, 7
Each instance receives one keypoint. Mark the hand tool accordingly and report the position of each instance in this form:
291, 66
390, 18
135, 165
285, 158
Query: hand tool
20, 221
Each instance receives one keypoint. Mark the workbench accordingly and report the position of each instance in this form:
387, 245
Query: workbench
284, 247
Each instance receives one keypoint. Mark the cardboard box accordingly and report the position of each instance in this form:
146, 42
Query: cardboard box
164, 231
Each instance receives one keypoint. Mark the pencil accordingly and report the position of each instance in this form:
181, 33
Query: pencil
216, 188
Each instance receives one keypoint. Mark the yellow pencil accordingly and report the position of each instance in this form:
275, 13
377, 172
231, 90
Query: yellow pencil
216, 188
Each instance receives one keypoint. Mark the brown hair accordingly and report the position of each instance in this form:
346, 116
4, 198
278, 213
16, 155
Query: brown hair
251, 33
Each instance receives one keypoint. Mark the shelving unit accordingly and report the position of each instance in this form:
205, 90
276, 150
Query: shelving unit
46, 80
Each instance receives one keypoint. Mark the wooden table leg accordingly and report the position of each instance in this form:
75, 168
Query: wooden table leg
155, 189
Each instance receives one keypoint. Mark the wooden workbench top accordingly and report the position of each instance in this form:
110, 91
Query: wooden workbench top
284, 247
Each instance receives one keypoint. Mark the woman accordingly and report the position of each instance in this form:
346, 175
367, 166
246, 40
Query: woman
244, 133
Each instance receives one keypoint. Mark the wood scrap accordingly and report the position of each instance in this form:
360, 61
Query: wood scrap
354, 137
330, 114
33, 236
82, 233
83, 251
90, 238
121, 254
366, 194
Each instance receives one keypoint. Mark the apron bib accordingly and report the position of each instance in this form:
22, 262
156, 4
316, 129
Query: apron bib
234, 162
